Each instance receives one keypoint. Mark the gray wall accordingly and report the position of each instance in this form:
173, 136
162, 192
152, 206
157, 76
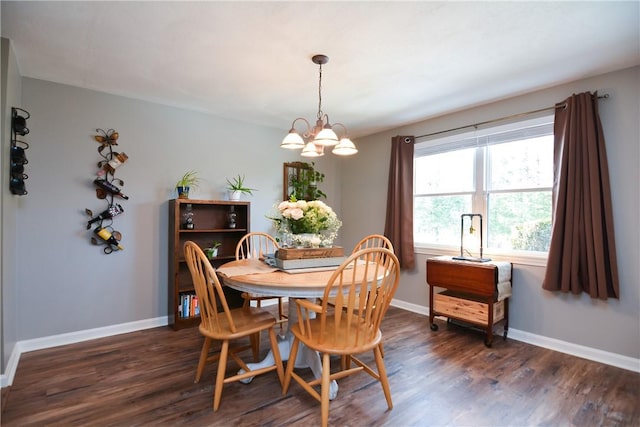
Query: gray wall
613, 325
71, 285
9, 205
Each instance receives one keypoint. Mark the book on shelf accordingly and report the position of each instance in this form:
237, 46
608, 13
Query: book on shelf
188, 306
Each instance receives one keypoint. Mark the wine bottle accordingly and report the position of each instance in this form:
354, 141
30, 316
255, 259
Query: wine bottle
117, 160
109, 187
110, 212
106, 235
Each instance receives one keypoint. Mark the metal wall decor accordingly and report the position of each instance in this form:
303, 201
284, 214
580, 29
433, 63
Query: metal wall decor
18, 159
107, 189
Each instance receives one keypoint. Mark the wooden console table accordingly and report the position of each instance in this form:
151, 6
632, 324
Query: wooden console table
475, 292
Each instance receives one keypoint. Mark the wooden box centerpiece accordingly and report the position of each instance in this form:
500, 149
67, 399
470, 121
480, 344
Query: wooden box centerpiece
302, 258
309, 253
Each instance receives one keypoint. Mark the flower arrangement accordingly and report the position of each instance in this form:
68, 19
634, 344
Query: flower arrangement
310, 223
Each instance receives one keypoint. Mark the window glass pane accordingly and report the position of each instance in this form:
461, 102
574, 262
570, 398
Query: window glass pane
437, 218
451, 172
521, 164
503, 172
520, 221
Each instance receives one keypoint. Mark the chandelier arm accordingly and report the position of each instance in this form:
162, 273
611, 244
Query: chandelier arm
307, 133
346, 133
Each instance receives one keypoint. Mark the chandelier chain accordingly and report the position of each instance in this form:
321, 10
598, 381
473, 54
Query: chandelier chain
320, 93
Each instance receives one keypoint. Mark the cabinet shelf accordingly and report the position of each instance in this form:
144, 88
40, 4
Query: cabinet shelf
210, 221
215, 260
216, 230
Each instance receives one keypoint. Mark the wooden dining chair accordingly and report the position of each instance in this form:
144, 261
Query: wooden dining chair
363, 286
218, 322
373, 241
256, 245
370, 241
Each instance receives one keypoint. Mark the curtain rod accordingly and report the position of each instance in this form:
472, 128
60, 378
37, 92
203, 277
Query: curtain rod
514, 116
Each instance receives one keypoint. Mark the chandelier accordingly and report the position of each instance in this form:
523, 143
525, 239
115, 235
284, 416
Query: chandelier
314, 139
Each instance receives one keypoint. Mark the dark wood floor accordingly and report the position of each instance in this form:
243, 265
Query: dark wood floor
443, 378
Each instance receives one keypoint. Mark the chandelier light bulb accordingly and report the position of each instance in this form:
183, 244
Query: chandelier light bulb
326, 137
345, 147
292, 141
312, 150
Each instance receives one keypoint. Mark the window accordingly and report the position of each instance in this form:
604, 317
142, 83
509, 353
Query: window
504, 173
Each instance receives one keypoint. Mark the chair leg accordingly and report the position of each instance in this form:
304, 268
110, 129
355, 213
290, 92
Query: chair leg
276, 355
204, 353
254, 339
345, 362
382, 372
247, 301
381, 347
280, 309
326, 382
293, 353
222, 367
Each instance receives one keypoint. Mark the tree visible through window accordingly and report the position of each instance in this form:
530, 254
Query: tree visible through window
504, 174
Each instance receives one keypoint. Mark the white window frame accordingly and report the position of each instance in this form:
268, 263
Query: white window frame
477, 138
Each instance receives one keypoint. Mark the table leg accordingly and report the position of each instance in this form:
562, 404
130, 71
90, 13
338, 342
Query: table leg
506, 318
307, 358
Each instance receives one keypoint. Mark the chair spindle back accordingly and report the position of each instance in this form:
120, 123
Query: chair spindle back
256, 245
373, 241
208, 290
362, 287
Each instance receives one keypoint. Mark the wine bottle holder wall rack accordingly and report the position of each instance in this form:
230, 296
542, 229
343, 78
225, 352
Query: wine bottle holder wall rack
19, 119
107, 189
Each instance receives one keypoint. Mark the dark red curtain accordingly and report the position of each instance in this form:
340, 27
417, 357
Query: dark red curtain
398, 225
582, 255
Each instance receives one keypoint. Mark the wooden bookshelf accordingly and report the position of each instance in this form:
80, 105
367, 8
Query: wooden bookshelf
210, 223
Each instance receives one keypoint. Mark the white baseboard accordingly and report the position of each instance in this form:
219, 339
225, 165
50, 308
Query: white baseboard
589, 353
414, 308
608, 358
12, 365
71, 338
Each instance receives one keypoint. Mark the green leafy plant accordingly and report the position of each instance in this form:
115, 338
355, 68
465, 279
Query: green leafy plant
237, 184
212, 251
189, 179
304, 184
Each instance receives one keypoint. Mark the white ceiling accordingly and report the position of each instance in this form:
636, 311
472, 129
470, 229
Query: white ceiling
391, 63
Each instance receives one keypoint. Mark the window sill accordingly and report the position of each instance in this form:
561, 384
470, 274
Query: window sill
536, 259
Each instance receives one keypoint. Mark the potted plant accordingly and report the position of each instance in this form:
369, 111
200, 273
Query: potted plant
236, 187
303, 183
212, 251
188, 181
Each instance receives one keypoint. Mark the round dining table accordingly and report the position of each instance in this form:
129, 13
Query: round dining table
256, 277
